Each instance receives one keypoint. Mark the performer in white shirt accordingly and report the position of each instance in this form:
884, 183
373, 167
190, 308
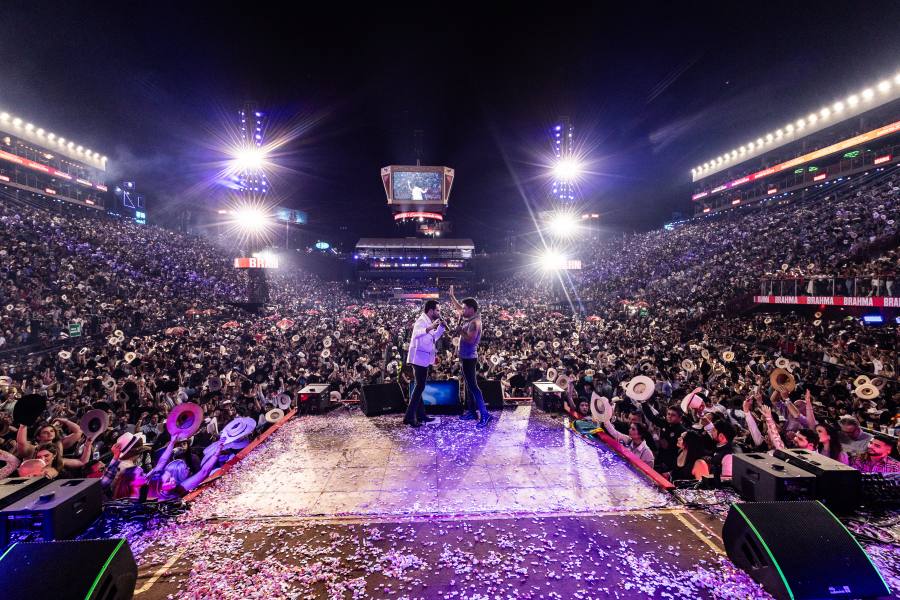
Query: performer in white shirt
426, 331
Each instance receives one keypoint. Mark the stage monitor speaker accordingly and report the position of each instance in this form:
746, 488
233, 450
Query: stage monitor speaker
64, 508
382, 398
492, 390
90, 569
315, 398
547, 396
799, 550
758, 477
14, 489
837, 485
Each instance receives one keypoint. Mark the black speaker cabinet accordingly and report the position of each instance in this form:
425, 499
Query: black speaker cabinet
64, 508
758, 477
90, 569
315, 398
547, 396
382, 398
837, 485
14, 489
492, 390
799, 550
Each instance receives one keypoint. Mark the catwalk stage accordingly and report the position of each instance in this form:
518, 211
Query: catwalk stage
343, 506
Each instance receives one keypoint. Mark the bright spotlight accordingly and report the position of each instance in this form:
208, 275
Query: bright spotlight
552, 260
563, 225
251, 219
249, 159
567, 169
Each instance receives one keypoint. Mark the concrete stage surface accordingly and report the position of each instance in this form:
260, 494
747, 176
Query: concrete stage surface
343, 506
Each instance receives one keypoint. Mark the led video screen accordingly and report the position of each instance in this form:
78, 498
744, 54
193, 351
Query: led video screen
414, 186
439, 393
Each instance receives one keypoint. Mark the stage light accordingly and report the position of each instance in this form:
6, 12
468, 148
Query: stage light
551, 260
29, 127
249, 159
853, 100
17, 122
563, 225
838, 106
4, 116
868, 93
884, 86
251, 219
567, 169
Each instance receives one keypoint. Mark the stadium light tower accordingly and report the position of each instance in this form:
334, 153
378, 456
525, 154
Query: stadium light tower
249, 158
563, 224
566, 168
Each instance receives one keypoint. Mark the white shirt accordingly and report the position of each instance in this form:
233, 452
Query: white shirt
421, 344
417, 193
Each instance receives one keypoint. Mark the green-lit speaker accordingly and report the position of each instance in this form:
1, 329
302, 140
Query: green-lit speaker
799, 550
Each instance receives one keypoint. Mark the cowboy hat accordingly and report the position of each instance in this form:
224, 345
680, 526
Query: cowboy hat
818, 315
696, 400
498, 332
5, 381
109, 383
327, 342
274, 415
552, 374
295, 338
705, 354
728, 356
130, 356
562, 382
783, 363
64, 354
184, 420
540, 345
237, 429
861, 381
214, 384
781, 379
131, 444
767, 320
688, 365
94, 423
878, 382
495, 359
589, 373
640, 388
118, 333
28, 408
113, 340
817, 322
600, 407
556, 343
283, 401
326, 353
867, 392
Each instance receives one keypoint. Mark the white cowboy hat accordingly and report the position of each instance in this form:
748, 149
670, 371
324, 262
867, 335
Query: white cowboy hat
118, 333
767, 320
688, 365
283, 401
327, 342
326, 353
130, 356
867, 392
65, 354
495, 359
861, 381
295, 338
783, 363
640, 388
274, 415
705, 354
130, 442
600, 407
552, 374
694, 400
728, 356
817, 322
556, 343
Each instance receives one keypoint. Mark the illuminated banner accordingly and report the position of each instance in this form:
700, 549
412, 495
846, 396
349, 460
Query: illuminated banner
45, 169
418, 214
419, 296
872, 301
268, 262
810, 156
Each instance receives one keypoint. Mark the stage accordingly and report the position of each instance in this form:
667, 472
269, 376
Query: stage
345, 506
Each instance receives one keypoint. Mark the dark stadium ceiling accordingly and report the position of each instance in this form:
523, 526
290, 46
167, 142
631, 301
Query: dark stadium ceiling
653, 92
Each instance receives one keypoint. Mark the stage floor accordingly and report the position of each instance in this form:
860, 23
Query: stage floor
339, 463
343, 506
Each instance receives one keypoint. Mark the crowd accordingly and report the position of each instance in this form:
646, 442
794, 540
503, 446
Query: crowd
157, 333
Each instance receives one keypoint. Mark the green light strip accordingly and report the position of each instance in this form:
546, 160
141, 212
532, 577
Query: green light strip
8, 550
861, 549
103, 570
766, 547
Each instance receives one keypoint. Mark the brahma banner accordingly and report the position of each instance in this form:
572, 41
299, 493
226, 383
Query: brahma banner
873, 301
262, 262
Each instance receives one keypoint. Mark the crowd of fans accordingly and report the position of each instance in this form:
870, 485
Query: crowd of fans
654, 304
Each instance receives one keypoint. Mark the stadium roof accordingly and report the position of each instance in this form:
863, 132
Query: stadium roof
422, 243
883, 92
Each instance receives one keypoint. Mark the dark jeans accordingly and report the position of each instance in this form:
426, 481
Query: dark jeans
474, 399
416, 409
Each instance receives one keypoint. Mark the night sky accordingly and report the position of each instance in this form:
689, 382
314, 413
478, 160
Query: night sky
653, 91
